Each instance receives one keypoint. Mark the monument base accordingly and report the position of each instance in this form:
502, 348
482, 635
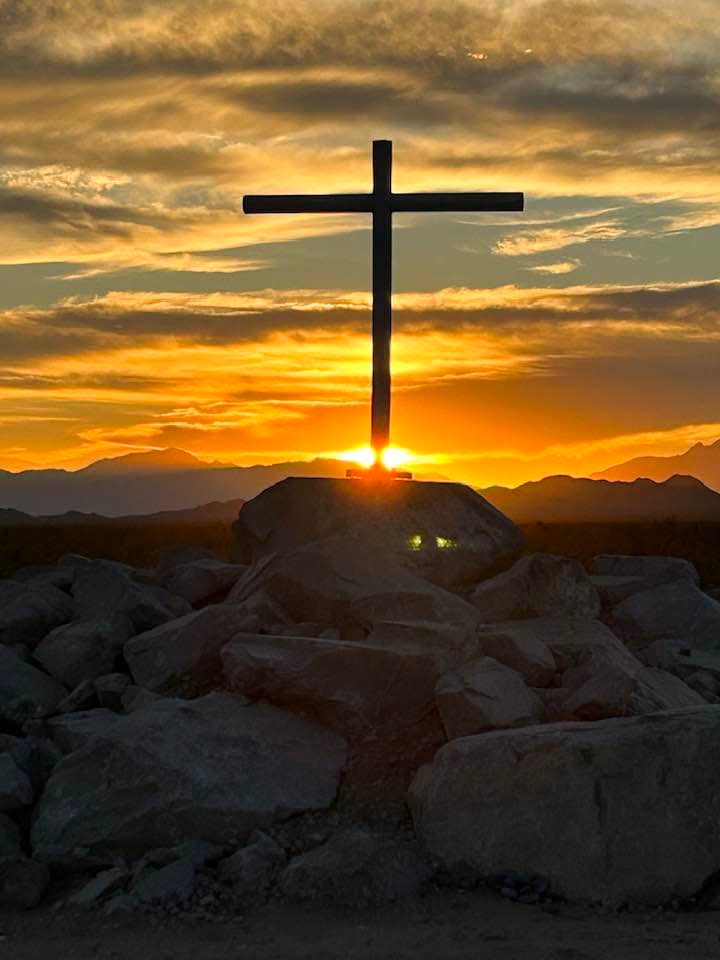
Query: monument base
444, 532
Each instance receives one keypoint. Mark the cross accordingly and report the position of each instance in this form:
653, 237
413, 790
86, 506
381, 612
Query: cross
382, 203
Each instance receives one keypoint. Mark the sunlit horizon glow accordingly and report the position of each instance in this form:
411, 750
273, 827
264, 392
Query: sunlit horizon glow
140, 310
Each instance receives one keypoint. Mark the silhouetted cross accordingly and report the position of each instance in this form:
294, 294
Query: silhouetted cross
382, 203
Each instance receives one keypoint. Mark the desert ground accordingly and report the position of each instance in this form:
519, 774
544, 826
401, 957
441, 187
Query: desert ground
445, 925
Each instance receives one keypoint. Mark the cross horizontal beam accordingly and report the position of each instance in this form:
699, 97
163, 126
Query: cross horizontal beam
395, 202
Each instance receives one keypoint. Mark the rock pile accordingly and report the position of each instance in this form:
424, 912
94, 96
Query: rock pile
194, 737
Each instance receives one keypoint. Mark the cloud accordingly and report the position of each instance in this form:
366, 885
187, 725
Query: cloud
556, 269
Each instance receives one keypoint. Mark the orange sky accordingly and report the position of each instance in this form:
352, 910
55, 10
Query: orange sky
139, 308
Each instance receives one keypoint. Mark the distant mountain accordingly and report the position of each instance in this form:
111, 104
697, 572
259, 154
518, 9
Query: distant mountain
225, 511
701, 461
146, 483
578, 500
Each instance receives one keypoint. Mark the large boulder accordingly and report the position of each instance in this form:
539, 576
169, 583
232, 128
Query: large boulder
672, 611
184, 655
445, 532
329, 581
380, 698
103, 586
485, 695
74, 730
29, 610
26, 693
538, 585
210, 769
654, 571
616, 811
84, 649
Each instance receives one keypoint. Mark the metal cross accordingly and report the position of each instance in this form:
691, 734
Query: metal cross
382, 203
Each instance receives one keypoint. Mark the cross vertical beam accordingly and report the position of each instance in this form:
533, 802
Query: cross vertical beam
382, 293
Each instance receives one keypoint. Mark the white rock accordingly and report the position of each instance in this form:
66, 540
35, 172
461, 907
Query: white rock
102, 586
10, 845
210, 769
15, 788
538, 585
25, 691
677, 610
28, 611
201, 580
380, 696
329, 581
615, 811
485, 695
653, 570
445, 532
356, 868
252, 869
522, 646
72, 731
84, 649
184, 655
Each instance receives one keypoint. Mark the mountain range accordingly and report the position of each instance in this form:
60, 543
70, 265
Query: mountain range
702, 461
581, 500
175, 486
147, 483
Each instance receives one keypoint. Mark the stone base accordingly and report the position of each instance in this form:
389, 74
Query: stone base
444, 532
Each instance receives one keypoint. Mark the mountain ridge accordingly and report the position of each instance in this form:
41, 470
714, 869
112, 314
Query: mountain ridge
701, 460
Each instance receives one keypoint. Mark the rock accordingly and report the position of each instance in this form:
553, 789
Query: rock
252, 870
330, 581
46, 574
449, 643
84, 650
380, 697
537, 585
22, 882
356, 868
83, 697
10, 845
616, 811
35, 756
522, 646
111, 689
184, 655
201, 580
444, 532
197, 852
100, 887
677, 610
485, 695
613, 590
174, 881
210, 769
26, 692
598, 689
137, 698
28, 611
182, 555
15, 788
100, 586
73, 731
653, 570
571, 642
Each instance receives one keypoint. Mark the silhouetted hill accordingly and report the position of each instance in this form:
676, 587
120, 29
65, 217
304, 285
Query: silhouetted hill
146, 483
579, 500
701, 461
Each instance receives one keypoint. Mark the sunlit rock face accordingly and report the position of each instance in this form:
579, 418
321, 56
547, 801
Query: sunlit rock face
444, 532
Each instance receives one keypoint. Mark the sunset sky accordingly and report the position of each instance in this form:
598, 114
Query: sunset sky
140, 309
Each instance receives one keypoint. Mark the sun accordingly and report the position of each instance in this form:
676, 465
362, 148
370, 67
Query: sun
366, 457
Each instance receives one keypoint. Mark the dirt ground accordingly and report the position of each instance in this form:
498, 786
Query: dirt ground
456, 926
